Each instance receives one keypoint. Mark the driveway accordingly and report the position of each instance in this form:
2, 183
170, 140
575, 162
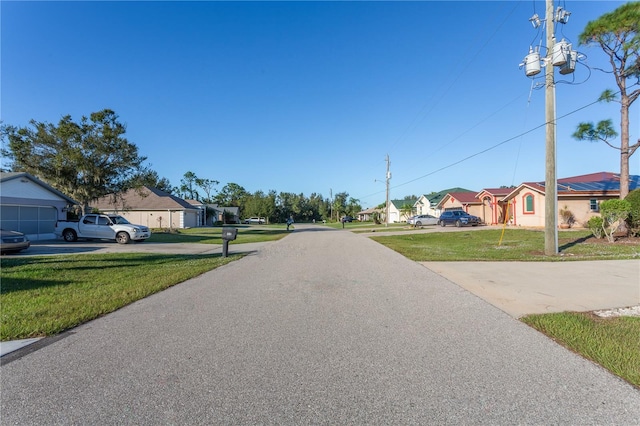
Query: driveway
322, 327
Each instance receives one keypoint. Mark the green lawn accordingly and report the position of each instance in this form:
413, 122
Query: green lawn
45, 295
514, 244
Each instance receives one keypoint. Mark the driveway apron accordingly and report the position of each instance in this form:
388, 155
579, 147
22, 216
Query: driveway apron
321, 327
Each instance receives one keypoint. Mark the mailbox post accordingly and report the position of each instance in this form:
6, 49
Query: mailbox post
228, 234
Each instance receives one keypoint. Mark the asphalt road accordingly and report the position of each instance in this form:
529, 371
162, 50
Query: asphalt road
322, 327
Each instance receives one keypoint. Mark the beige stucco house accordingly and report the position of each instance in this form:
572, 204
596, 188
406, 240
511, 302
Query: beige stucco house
581, 195
494, 208
151, 207
466, 201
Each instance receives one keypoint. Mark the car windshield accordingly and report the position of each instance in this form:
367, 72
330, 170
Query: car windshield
119, 220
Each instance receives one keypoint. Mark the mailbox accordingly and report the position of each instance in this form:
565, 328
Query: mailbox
229, 234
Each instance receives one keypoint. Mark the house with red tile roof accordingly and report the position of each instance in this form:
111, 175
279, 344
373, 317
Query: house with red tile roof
581, 195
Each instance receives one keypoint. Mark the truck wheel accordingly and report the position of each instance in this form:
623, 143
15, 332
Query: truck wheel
70, 235
122, 237
458, 223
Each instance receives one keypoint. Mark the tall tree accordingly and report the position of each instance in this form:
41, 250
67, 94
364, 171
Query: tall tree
207, 186
617, 34
188, 186
85, 160
230, 195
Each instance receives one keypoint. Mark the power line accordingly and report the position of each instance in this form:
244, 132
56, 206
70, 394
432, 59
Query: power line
485, 150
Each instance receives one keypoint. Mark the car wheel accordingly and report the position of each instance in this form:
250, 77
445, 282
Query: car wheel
442, 223
458, 223
69, 235
122, 238
418, 223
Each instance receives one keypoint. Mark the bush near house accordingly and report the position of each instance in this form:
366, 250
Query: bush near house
614, 214
633, 220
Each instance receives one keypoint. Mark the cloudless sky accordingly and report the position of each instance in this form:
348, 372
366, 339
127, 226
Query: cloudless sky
309, 97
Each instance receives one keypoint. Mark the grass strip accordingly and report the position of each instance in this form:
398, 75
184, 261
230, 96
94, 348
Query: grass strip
516, 245
213, 235
43, 296
613, 343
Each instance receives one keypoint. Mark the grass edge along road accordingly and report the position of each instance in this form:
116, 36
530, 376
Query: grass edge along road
611, 342
46, 295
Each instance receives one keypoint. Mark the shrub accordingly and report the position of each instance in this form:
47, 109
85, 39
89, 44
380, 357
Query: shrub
633, 220
567, 216
614, 213
595, 225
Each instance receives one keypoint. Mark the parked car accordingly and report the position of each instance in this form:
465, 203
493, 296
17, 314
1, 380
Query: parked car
258, 220
424, 219
411, 220
13, 241
347, 219
458, 218
102, 227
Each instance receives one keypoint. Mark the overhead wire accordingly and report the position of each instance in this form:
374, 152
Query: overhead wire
486, 149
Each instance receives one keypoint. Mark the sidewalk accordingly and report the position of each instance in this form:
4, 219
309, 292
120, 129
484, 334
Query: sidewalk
521, 288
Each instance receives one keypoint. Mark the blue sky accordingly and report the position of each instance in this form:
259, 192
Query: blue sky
310, 97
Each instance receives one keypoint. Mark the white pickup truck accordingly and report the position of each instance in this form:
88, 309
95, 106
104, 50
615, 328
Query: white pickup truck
102, 226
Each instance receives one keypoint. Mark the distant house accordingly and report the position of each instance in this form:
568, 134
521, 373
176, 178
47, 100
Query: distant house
428, 204
233, 214
367, 215
151, 207
395, 210
31, 206
581, 195
466, 201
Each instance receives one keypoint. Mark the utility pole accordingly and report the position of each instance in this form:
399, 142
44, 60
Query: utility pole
551, 186
388, 177
330, 204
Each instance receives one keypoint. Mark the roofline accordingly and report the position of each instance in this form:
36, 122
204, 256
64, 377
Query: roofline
7, 176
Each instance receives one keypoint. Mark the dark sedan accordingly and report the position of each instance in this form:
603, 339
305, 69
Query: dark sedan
458, 218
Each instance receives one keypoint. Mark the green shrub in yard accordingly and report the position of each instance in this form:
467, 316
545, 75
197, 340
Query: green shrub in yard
633, 221
595, 225
614, 213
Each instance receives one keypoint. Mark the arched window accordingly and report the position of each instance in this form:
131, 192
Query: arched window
528, 205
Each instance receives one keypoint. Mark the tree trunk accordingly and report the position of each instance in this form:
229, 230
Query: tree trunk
624, 146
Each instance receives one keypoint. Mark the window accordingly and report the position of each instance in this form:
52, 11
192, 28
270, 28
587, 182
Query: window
593, 205
528, 204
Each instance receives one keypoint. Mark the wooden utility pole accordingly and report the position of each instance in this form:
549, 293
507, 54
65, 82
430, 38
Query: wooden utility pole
388, 177
551, 186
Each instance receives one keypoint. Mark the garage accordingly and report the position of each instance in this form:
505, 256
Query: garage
31, 206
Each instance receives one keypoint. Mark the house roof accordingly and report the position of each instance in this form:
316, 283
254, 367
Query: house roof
466, 197
8, 176
145, 198
496, 192
435, 197
370, 210
230, 209
399, 203
578, 185
194, 203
